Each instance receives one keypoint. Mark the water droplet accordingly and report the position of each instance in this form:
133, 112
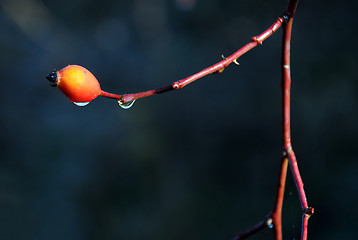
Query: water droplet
269, 223
126, 105
81, 104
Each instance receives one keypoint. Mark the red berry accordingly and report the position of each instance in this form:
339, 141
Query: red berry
77, 83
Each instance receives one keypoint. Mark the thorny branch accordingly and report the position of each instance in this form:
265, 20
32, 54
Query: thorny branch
216, 68
288, 153
273, 219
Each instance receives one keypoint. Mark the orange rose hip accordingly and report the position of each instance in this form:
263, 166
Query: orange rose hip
77, 83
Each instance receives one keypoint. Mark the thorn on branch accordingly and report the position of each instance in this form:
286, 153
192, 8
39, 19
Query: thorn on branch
220, 70
256, 39
234, 61
309, 211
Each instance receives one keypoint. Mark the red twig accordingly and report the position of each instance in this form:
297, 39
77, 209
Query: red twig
288, 153
267, 222
277, 212
216, 68
274, 219
286, 94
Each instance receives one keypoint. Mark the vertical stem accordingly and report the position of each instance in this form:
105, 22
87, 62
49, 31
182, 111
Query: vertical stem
286, 85
304, 230
286, 93
277, 212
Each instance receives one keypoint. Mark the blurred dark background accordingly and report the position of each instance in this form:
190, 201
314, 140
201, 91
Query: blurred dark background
199, 163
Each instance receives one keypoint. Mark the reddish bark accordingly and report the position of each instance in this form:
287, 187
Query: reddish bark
274, 218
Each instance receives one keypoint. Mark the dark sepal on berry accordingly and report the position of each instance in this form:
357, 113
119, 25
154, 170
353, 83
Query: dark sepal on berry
52, 77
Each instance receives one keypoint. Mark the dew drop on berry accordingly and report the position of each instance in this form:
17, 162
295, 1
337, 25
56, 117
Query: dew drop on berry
81, 104
126, 105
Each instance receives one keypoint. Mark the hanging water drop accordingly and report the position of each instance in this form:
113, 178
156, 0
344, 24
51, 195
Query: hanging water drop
269, 223
126, 105
81, 104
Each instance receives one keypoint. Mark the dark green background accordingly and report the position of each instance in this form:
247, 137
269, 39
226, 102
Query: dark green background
199, 163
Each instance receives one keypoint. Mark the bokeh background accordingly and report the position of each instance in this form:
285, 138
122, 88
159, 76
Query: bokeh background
199, 163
